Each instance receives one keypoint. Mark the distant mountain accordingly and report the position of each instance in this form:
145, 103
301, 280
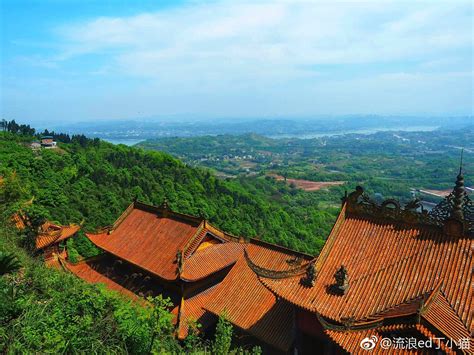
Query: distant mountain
288, 127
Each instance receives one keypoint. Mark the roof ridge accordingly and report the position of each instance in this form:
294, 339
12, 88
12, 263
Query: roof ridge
433, 295
331, 238
200, 229
219, 233
124, 215
360, 204
398, 305
440, 293
278, 247
344, 326
273, 274
152, 208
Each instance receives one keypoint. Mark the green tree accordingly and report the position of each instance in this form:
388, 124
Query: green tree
8, 263
160, 324
223, 336
35, 217
193, 341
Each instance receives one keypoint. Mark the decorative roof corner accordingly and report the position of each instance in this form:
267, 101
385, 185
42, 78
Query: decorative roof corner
309, 279
179, 262
342, 280
165, 207
456, 211
274, 274
357, 202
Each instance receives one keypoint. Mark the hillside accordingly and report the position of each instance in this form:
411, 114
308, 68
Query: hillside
44, 310
92, 182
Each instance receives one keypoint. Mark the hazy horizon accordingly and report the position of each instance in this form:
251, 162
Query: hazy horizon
68, 62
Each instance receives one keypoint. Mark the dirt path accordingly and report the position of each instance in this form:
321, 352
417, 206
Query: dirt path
309, 185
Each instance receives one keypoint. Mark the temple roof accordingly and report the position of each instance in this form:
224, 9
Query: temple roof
248, 304
439, 313
163, 242
85, 270
192, 310
207, 261
388, 264
19, 220
152, 238
395, 262
351, 341
51, 233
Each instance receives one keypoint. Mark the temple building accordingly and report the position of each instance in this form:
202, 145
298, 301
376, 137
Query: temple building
387, 274
49, 239
205, 272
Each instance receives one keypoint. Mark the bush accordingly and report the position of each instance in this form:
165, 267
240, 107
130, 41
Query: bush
49, 311
73, 255
84, 246
223, 337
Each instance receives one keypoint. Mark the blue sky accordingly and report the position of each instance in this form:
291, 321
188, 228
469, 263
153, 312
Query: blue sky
93, 60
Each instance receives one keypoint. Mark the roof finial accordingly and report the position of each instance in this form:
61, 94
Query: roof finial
165, 204
459, 194
310, 277
342, 280
179, 261
201, 214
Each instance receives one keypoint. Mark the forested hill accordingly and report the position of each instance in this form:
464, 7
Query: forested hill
389, 163
92, 181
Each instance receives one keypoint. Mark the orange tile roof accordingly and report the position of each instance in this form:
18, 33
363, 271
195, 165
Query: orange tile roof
192, 309
19, 221
441, 315
389, 263
251, 306
152, 237
85, 271
277, 258
53, 256
205, 262
51, 233
350, 341
149, 240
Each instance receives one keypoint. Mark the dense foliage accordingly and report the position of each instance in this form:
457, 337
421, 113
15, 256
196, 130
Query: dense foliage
50, 311
93, 181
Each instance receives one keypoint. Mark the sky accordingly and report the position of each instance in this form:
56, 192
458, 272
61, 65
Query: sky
68, 61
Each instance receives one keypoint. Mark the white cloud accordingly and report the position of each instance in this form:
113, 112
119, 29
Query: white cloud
254, 37
285, 57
